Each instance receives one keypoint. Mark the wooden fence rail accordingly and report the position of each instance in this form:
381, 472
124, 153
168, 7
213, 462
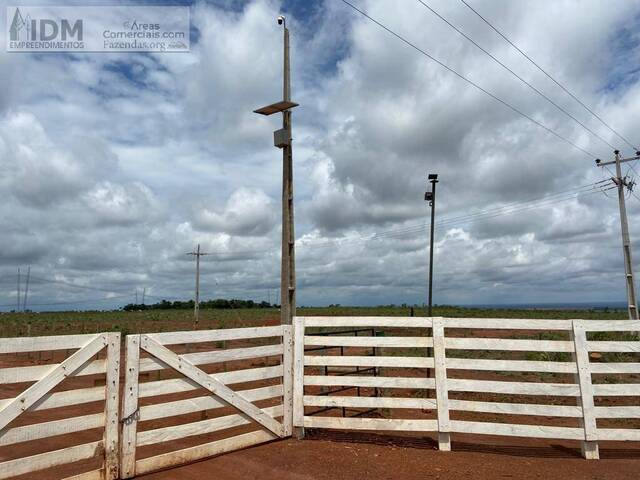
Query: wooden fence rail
465, 348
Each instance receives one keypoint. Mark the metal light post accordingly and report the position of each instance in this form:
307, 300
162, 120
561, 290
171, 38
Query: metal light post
430, 196
282, 139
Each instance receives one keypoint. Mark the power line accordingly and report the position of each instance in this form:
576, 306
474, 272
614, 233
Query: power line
162, 297
95, 289
525, 82
485, 215
571, 192
460, 219
70, 302
74, 285
507, 209
549, 75
482, 215
470, 82
530, 207
634, 170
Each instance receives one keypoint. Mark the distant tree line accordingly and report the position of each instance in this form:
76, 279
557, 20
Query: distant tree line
220, 303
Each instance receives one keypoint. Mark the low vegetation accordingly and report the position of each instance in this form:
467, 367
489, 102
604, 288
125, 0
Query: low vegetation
236, 314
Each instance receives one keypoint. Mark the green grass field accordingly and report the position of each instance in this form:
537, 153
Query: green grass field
61, 323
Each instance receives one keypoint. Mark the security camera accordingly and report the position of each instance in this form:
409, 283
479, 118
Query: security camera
598, 161
280, 20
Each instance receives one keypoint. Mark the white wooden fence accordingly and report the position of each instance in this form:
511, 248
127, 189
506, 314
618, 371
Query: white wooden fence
170, 422
57, 390
191, 395
582, 398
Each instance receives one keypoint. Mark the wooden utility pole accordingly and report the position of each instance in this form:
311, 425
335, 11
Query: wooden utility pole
196, 306
622, 183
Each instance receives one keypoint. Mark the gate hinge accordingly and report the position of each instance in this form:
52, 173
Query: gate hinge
135, 416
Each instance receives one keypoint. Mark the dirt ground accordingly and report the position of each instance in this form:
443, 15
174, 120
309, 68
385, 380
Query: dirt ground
358, 456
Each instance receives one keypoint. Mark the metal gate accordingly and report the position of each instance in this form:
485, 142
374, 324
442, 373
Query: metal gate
203, 416
46, 398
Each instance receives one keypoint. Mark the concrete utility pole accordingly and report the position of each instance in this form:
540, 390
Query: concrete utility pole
288, 280
18, 304
282, 139
430, 196
26, 289
196, 307
622, 183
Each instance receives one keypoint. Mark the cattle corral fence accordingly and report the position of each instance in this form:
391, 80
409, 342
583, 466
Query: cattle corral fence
478, 370
192, 395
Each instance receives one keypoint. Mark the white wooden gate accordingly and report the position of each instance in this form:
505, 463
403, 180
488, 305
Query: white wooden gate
270, 382
21, 415
479, 372
192, 395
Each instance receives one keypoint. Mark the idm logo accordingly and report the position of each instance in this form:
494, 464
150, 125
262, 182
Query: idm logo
26, 28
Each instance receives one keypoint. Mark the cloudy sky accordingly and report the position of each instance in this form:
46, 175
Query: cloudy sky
113, 166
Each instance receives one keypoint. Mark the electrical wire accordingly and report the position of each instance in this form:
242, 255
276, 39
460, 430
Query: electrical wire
548, 75
481, 216
74, 285
416, 228
633, 169
68, 302
462, 219
507, 209
578, 189
469, 81
123, 294
522, 80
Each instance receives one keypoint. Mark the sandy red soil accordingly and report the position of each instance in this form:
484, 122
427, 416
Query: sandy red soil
329, 455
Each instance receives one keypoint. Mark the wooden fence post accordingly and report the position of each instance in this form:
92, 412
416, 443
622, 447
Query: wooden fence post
287, 382
298, 377
112, 406
442, 394
581, 357
130, 408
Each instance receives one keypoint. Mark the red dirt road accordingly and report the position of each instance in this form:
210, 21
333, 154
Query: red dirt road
353, 456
